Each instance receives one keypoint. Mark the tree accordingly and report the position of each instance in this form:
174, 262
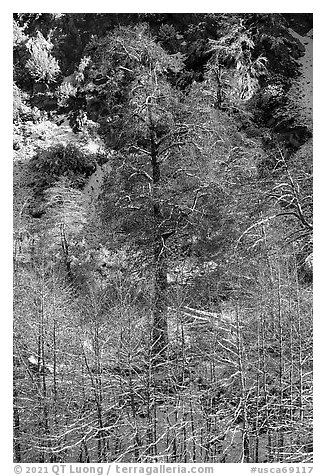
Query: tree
42, 66
232, 68
165, 186
65, 218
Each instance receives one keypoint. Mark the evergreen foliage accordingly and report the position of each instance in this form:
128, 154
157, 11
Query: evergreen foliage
42, 66
60, 160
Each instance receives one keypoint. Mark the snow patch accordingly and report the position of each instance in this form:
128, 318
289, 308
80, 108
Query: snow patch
301, 91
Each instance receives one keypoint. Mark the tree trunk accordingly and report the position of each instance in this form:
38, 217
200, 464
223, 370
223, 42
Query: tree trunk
17, 432
159, 335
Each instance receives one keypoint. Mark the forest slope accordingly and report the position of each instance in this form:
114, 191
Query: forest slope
162, 238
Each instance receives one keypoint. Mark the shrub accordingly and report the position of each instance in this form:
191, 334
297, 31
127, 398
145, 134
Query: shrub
19, 36
20, 108
58, 161
42, 66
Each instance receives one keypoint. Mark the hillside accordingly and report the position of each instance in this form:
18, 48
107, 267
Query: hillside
163, 238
